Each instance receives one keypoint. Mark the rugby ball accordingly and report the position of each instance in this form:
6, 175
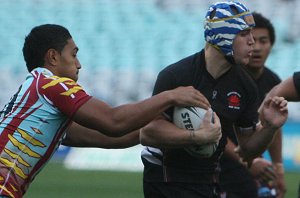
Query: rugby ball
190, 118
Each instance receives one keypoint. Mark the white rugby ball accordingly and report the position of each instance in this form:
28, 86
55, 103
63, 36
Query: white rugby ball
191, 118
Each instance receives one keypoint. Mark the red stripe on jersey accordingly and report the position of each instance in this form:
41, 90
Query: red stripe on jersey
15, 122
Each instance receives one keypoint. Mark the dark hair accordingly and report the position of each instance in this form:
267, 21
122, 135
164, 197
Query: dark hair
263, 22
40, 40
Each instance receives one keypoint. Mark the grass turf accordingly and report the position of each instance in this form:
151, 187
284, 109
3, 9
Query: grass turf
56, 181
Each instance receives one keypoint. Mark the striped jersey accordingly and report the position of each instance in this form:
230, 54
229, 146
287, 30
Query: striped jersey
32, 125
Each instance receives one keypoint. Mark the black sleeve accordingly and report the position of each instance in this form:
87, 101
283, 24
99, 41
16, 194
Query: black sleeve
250, 116
296, 78
165, 81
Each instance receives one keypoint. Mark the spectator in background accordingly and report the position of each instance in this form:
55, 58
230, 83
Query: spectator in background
50, 108
236, 180
169, 170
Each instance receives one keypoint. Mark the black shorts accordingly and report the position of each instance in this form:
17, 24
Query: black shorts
180, 190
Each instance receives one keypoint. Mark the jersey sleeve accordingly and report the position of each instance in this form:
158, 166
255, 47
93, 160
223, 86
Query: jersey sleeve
62, 93
250, 119
250, 116
165, 81
296, 79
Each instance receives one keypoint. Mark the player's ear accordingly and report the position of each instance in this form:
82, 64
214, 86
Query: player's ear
51, 57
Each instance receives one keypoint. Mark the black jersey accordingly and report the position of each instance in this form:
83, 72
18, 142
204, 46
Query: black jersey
234, 98
296, 79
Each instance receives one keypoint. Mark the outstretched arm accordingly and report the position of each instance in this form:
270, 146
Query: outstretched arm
123, 119
286, 89
80, 136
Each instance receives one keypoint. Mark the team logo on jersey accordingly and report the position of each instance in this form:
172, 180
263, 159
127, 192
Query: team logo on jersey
234, 100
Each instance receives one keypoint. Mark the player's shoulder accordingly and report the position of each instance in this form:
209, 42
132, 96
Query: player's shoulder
50, 81
47, 81
244, 79
185, 63
186, 67
271, 75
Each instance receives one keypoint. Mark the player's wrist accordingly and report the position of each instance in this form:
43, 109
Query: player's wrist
270, 126
198, 137
169, 97
193, 137
278, 168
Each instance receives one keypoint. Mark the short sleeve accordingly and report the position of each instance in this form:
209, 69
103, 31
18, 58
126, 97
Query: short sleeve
296, 79
62, 93
250, 115
165, 81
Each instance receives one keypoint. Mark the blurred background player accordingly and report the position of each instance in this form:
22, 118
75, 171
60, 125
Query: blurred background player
235, 178
169, 171
50, 107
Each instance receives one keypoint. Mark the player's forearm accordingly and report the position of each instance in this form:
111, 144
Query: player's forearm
273, 115
275, 148
129, 117
163, 134
258, 143
229, 150
275, 151
118, 121
80, 136
285, 89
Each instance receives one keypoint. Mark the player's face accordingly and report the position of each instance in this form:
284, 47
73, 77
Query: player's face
262, 48
69, 64
243, 46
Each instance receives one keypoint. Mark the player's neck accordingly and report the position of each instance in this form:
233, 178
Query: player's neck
255, 72
216, 63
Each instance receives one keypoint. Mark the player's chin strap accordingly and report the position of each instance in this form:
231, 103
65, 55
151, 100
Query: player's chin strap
229, 58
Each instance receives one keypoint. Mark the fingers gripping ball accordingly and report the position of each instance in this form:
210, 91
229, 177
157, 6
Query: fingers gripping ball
191, 118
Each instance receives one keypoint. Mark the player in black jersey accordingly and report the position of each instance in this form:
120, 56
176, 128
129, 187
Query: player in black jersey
235, 178
169, 171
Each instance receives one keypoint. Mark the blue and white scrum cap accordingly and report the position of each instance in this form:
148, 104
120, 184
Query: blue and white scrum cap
224, 20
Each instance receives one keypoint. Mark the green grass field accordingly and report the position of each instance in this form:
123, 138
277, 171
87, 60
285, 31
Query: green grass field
56, 181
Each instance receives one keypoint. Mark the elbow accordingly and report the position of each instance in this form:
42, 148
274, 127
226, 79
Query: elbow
151, 135
67, 140
145, 140
114, 132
